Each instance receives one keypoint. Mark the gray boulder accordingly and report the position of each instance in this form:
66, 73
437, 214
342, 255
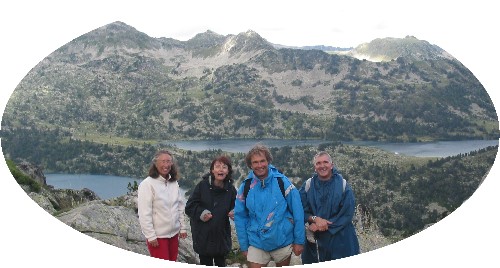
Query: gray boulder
117, 226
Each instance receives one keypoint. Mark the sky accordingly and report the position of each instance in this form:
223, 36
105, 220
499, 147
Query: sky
31, 30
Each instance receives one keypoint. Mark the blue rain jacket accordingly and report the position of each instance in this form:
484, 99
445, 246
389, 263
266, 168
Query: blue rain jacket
329, 200
265, 219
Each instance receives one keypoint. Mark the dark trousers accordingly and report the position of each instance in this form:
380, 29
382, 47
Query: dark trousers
219, 261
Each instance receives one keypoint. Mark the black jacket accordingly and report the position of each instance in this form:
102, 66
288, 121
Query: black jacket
211, 238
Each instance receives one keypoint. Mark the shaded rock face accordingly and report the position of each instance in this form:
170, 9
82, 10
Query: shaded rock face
33, 171
54, 200
64, 199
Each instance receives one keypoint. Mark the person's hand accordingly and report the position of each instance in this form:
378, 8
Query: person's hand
322, 224
297, 249
231, 215
245, 253
153, 243
183, 235
313, 227
207, 217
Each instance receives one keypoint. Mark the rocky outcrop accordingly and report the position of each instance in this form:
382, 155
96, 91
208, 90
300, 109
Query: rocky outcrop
114, 225
56, 200
35, 172
50, 199
117, 226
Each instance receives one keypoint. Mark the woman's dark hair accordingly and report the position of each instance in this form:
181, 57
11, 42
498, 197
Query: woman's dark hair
226, 161
258, 149
153, 171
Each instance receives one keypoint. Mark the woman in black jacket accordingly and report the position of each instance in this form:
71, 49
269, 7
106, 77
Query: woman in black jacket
209, 208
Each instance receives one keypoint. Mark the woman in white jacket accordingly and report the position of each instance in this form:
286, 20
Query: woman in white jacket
161, 208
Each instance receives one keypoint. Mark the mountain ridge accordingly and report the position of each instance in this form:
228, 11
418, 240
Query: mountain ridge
116, 81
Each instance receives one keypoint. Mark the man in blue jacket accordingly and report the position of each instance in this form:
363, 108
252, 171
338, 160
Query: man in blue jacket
328, 213
268, 217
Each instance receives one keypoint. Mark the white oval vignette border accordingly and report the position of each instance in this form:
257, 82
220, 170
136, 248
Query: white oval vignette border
31, 30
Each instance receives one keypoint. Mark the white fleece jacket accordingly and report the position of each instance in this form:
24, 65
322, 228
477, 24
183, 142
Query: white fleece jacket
161, 208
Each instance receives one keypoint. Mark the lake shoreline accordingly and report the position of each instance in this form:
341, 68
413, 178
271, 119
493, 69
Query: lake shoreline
419, 149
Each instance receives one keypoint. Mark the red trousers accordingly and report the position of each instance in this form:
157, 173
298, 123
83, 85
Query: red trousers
167, 249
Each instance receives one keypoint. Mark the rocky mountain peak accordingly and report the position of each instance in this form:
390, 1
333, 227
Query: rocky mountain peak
117, 26
246, 42
206, 40
251, 33
389, 48
110, 37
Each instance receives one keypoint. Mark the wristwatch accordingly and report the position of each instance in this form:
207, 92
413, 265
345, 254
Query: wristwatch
313, 218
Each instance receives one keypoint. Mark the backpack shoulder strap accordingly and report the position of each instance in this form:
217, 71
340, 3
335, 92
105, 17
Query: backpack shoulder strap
308, 184
281, 184
282, 187
246, 188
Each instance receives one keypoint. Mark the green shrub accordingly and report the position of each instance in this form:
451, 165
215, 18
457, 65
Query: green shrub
236, 257
22, 178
